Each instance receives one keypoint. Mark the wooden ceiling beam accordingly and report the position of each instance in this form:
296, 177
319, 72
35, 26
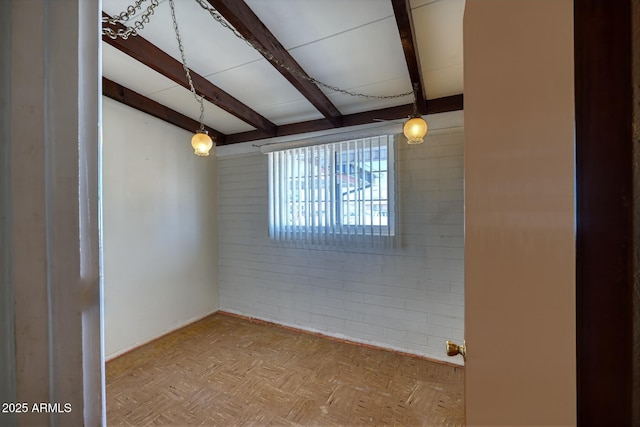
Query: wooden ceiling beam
245, 21
404, 20
135, 100
140, 102
433, 106
147, 53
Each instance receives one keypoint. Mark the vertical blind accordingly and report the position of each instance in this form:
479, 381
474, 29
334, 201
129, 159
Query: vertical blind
334, 194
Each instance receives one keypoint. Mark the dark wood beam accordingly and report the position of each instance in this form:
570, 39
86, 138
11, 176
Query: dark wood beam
445, 104
604, 204
404, 20
140, 102
238, 14
147, 53
433, 106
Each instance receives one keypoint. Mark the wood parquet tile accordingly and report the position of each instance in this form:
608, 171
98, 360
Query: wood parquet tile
227, 371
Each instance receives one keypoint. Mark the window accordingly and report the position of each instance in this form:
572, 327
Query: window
333, 193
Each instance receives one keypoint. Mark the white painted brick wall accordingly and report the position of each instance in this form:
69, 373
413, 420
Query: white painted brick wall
409, 299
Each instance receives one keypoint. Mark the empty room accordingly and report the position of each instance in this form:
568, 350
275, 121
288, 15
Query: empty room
316, 212
313, 212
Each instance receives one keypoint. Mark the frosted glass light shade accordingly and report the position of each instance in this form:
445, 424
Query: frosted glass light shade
415, 129
201, 143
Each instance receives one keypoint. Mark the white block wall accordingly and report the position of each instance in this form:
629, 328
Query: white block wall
409, 299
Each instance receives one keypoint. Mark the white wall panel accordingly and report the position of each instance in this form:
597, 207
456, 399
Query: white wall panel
159, 229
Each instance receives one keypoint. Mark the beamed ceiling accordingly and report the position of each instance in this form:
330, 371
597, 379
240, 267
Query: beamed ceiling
375, 47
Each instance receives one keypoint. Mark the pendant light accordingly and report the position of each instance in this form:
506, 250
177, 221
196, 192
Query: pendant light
416, 127
201, 141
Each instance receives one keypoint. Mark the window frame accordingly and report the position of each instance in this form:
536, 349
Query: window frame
330, 227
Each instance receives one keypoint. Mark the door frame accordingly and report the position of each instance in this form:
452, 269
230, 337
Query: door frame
604, 211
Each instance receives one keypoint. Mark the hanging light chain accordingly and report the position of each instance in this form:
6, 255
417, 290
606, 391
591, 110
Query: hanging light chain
126, 15
198, 98
416, 86
145, 19
123, 17
269, 56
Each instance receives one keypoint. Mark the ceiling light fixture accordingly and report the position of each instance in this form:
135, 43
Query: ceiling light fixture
416, 127
201, 141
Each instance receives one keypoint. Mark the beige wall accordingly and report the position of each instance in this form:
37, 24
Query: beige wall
519, 202
159, 217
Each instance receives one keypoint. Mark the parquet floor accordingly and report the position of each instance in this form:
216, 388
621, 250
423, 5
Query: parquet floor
227, 371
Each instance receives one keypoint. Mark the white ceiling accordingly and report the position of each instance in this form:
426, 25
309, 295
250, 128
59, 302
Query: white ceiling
354, 45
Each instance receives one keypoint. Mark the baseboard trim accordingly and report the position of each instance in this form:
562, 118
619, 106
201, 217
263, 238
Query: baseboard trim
282, 326
149, 340
337, 339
